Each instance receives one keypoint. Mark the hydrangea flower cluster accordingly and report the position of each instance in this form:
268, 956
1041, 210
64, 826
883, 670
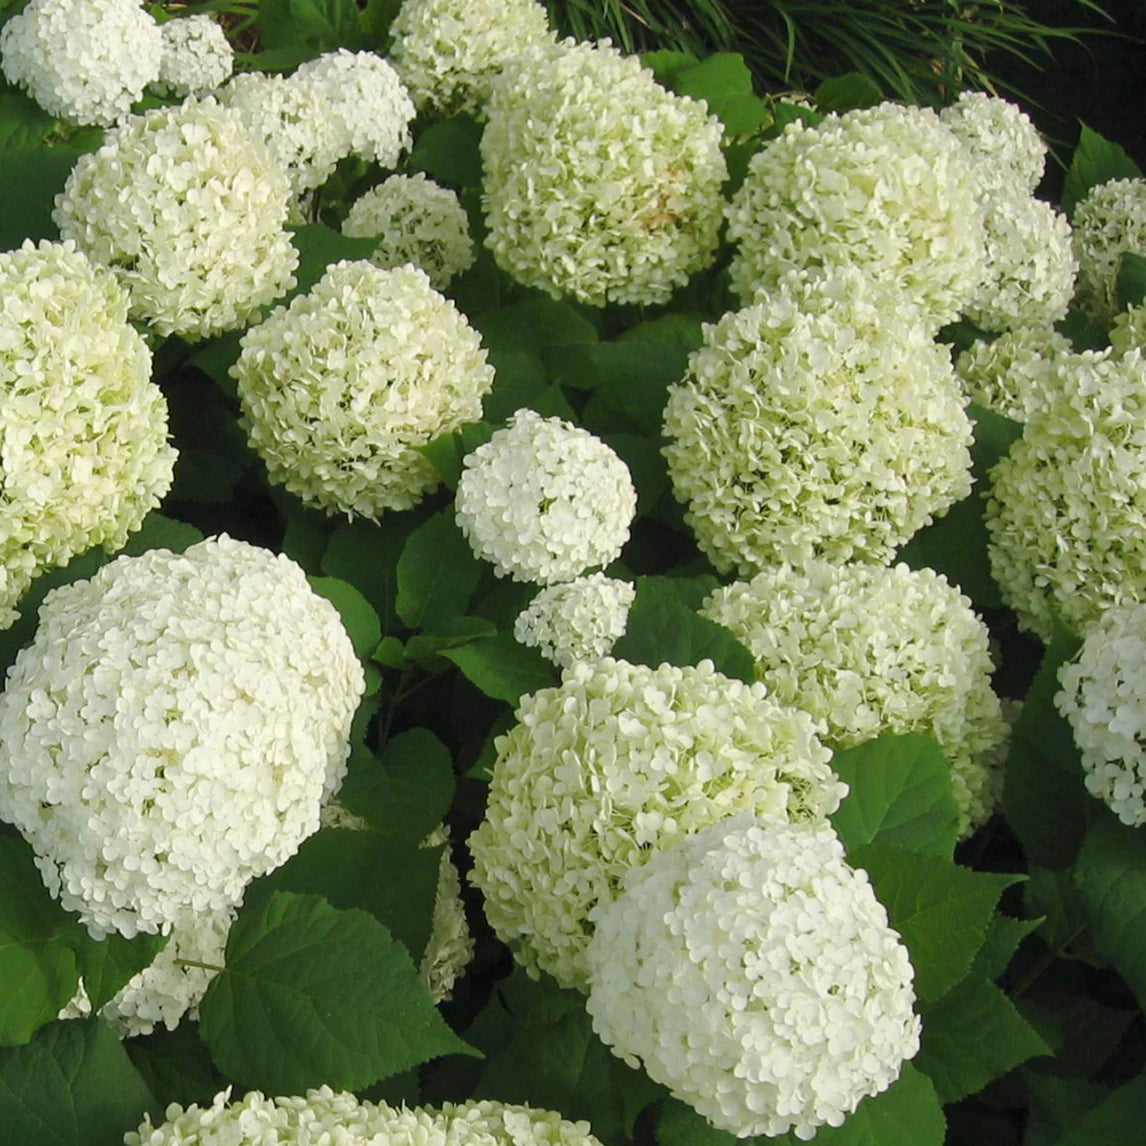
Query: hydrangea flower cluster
448, 52
173, 984
617, 762
578, 620
83, 60
544, 500
83, 430
1016, 373
1110, 219
599, 184
414, 220
339, 388
816, 423
173, 729
753, 972
810, 204
1129, 330
487, 1123
197, 56
1067, 512
371, 107
1104, 698
869, 650
189, 211
1001, 136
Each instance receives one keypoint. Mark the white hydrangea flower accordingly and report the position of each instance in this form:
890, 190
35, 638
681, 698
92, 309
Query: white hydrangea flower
1104, 698
1109, 220
599, 184
321, 1116
297, 122
83, 60
810, 203
578, 620
1016, 373
754, 973
487, 1123
450, 948
1031, 264
869, 650
339, 388
173, 985
1067, 512
823, 423
372, 107
1001, 135
1129, 330
415, 220
189, 210
173, 729
618, 762
197, 56
544, 500
83, 430
449, 52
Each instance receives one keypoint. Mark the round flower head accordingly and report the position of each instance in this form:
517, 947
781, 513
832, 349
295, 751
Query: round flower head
616, 763
415, 221
869, 650
448, 52
197, 56
83, 60
296, 122
1104, 698
1001, 136
1129, 331
810, 203
754, 973
1109, 220
1015, 373
544, 500
339, 388
83, 430
486, 1123
371, 107
1067, 512
173, 984
822, 423
173, 729
319, 1117
599, 184
578, 620
189, 210
1031, 264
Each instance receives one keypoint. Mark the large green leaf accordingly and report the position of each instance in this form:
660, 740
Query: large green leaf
535, 324
107, 964
357, 614
1131, 280
724, 82
501, 667
448, 152
23, 123
437, 573
328, 24
73, 1085
1096, 160
1056, 1105
847, 92
318, 246
366, 555
1115, 1121
176, 1065
314, 995
30, 179
899, 795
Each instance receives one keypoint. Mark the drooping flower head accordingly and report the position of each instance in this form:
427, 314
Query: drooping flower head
616, 763
173, 729
1016, 373
339, 388
1110, 219
599, 184
197, 56
189, 210
753, 972
577, 620
83, 430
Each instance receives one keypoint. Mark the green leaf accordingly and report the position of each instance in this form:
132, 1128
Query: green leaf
437, 573
215, 357
724, 82
30, 179
666, 64
23, 123
318, 246
940, 909
1004, 935
502, 668
358, 616
535, 324
1096, 160
663, 629
366, 555
848, 92
995, 433
900, 796
447, 452
205, 477
972, 1036
448, 152
1057, 1105
679, 1125
425, 649
1044, 798
73, 1085
38, 973
159, 532
105, 965
519, 376
1131, 280
407, 792
1115, 1121
176, 1066
328, 24
313, 995
647, 467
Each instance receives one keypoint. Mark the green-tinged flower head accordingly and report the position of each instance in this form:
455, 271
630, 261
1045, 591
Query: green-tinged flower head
1014, 374
578, 620
197, 56
1001, 136
1129, 330
1110, 219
